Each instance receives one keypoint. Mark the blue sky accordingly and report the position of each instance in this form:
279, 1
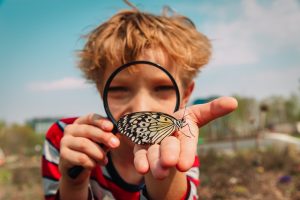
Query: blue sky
256, 51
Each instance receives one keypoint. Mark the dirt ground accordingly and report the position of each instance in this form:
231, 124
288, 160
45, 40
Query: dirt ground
251, 175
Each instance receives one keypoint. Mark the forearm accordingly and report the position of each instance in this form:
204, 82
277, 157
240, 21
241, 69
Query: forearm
173, 187
69, 190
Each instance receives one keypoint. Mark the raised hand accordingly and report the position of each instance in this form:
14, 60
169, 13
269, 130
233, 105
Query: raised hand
179, 151
80, 145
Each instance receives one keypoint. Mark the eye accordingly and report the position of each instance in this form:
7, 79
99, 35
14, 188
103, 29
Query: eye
164, 88
164, 92
116, 89
118, 92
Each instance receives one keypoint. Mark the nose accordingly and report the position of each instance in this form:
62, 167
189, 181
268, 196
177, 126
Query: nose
142, 101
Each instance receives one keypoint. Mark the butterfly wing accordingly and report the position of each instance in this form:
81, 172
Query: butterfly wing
163, 128
147, 127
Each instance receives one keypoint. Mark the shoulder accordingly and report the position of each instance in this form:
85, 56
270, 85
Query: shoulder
56, 131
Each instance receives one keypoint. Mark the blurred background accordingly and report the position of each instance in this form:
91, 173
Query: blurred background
251, 154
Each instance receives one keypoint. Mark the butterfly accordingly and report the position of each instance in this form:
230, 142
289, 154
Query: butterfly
149, 127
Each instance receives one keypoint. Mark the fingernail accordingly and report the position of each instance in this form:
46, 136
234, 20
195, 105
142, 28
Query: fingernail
113, 142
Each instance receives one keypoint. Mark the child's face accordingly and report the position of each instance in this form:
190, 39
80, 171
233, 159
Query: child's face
143, 87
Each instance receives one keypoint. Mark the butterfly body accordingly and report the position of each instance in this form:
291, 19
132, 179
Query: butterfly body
149, 127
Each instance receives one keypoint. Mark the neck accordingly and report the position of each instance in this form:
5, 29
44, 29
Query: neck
123, 155
122, 158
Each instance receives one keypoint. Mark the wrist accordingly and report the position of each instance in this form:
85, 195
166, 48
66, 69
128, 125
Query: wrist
79, 182
73, 189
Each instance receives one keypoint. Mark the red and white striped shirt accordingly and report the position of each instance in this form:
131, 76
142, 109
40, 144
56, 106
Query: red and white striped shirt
105, 182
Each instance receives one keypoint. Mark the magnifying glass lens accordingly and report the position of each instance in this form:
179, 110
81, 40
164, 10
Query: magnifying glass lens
140, 88
139, 98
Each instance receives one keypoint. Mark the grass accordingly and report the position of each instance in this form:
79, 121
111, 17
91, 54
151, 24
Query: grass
21, 182
272, 174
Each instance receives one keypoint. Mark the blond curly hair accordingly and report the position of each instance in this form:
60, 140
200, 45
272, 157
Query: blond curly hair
128, 33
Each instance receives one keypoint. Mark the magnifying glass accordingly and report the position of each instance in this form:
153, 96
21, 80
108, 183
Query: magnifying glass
139, 98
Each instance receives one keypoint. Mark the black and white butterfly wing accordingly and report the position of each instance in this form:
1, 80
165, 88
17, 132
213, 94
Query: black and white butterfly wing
147, 127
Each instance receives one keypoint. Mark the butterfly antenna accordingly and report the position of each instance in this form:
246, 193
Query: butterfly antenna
184, 112
186, 124
190, 130
184, 134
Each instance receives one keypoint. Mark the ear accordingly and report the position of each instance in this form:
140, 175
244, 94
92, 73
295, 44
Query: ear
187, 93
100, 89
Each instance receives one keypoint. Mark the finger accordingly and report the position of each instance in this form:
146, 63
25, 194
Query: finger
140, 159
153, 155
93, 133
169, 151
75, 158
95, 120
205, 113
188, 148
85, 146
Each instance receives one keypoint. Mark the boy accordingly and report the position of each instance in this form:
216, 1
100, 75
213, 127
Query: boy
121, 169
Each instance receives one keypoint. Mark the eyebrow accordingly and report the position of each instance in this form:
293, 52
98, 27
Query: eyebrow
161, 80
154, 77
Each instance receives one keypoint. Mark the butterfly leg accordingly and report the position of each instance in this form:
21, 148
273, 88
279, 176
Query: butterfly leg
184, 133
189, 129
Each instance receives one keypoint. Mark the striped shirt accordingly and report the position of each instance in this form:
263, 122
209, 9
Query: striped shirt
105, 182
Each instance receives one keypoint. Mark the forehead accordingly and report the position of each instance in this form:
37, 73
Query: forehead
142, 73
157, 56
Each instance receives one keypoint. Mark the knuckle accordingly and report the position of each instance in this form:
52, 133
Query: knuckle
90, 117
63, 153
105, 137
63, 141
83, 144
68, 129
101, 136
90, 165
82, 159
103, 122
82, 129
100, 156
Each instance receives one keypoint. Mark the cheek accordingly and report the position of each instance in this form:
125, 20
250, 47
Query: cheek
117, 111
126, 141
167, 106
182, 91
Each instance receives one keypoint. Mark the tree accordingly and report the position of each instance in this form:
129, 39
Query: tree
19, 139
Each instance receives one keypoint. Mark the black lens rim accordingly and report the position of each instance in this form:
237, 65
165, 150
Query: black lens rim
121, 68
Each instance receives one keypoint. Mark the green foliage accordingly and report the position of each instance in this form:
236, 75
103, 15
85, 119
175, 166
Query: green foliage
282, 109
292, 107
5, 175
19, 139
242, 122
252, 115
20, 182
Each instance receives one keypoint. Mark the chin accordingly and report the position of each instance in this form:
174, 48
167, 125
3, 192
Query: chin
126, 141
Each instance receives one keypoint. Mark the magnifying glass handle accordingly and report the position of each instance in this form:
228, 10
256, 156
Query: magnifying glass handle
75, 171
